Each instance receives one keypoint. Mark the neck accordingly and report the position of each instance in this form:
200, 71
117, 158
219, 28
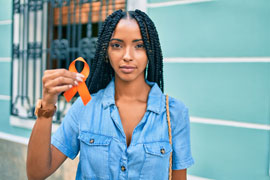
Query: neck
131, 90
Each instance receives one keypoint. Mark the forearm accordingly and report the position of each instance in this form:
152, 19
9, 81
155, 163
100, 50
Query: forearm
179, 174
39, 149
42, 158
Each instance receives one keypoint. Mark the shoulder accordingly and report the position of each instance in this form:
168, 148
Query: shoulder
178, 113
176, 105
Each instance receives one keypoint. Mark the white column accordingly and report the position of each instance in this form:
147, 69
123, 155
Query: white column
137, 4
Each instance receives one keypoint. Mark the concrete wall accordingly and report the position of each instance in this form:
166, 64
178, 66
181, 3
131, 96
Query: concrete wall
13, 167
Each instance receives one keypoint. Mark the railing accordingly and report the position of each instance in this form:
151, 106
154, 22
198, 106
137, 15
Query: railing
49, 34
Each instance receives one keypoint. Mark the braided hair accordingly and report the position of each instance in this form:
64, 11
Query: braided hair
101, 71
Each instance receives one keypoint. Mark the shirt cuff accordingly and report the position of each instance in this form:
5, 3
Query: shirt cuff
183, 164
63, 149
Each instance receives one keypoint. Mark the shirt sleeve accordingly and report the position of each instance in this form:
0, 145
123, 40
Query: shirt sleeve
66, 136
180, 124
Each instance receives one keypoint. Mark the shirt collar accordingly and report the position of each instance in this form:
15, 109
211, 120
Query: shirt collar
154, 102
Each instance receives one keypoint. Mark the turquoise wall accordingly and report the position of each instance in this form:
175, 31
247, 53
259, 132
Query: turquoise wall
221, 28
5, 70
231, 91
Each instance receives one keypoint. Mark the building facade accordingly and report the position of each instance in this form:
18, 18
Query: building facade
216, 60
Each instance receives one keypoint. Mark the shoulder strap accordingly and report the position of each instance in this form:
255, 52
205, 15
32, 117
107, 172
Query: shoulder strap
170, 134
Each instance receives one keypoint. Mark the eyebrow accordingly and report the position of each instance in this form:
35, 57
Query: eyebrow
116, 40
136, 40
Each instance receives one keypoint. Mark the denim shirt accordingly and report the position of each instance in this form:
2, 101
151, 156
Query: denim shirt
96, 131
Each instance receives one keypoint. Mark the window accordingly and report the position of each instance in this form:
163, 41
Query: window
47, 35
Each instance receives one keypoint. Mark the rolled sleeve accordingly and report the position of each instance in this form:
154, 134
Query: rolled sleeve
66, 137
182, 157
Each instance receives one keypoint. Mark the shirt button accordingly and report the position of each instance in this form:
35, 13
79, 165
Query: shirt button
123, 168
92, 141
162, 151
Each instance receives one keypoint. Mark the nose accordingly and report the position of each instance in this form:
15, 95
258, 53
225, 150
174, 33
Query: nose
128, 54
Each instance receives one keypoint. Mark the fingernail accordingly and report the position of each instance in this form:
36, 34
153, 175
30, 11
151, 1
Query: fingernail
79, 79
76, 83
70, 86
80, 75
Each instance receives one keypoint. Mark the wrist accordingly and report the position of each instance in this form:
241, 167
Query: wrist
44, 109
46, 105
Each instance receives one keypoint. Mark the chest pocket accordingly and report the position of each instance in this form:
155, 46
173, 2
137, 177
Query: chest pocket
94, 155
156, 164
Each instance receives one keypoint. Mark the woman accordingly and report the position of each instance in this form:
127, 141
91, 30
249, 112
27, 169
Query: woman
122, 133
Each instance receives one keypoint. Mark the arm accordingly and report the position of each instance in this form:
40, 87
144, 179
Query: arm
179, 174
42, 157
181, 157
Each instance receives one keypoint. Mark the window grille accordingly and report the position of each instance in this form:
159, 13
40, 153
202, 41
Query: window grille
49, 34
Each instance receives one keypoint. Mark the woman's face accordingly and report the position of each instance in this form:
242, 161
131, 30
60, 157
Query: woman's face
126, 51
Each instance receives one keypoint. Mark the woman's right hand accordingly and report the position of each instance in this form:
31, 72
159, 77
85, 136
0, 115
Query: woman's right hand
56, 81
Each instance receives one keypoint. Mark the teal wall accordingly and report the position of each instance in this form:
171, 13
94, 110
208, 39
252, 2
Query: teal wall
220, 28
229, 153
5, 70
231, 91
5, 10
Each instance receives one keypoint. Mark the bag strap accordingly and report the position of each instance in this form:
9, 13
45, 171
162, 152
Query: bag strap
170, 134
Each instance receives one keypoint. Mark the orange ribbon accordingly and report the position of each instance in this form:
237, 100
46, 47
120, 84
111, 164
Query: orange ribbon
81, 88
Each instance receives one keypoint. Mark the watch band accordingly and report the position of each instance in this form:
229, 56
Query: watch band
40, 112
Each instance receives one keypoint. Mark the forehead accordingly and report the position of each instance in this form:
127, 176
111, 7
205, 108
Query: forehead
127, 28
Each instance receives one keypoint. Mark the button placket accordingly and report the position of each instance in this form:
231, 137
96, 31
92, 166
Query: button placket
123, 169
123, 163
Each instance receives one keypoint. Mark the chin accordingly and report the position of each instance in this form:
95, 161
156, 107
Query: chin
127, 77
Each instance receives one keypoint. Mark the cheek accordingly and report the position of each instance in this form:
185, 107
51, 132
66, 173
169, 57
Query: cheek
113, 62
142, 57
115, 55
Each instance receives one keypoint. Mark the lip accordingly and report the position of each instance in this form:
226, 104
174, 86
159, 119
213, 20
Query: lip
127, 69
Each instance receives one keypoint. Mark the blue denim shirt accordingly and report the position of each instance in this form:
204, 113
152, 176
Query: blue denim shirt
96, 131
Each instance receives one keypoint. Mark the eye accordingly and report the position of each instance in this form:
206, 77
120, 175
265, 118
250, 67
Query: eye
139, 46
115, 45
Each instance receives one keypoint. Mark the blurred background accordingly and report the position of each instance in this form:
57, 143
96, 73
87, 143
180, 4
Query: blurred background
216, 60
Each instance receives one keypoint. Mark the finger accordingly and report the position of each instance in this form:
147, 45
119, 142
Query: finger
49, 71
59, 89
53, 74
60, 81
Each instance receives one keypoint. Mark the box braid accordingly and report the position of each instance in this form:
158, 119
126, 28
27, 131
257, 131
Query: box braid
155, 67
101, 71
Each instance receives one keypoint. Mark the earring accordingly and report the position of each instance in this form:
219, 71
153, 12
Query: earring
146, 68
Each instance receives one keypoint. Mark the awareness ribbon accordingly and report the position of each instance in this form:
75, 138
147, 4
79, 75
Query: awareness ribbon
81, 87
